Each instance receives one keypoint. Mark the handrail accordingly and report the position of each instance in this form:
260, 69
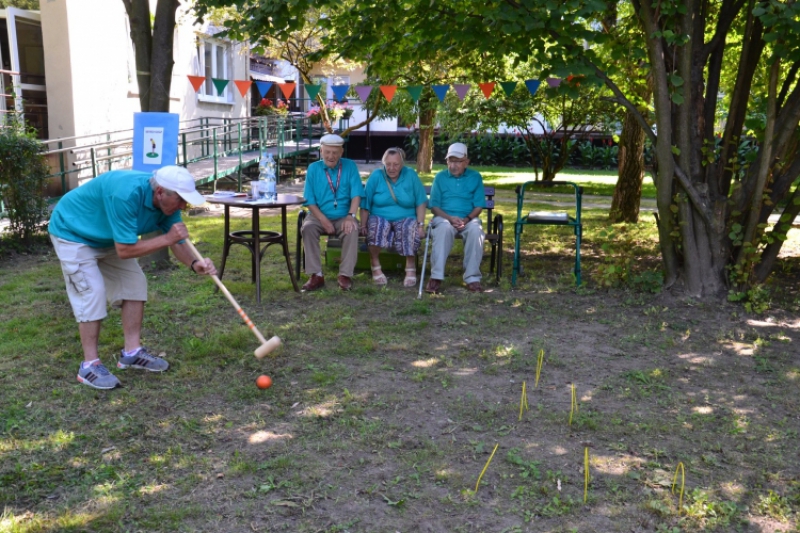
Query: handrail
199, 139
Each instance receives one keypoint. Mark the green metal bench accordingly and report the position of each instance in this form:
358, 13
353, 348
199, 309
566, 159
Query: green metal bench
547, 218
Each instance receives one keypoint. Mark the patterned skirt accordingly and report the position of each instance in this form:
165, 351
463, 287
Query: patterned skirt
400, 236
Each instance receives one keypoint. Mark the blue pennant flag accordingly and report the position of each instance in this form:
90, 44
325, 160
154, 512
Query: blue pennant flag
339, 91
532, 85
263, 87
440, 90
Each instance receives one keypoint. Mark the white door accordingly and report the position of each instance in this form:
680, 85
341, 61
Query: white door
26, 51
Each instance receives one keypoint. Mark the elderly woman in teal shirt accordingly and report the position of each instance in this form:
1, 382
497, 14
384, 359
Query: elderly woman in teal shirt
393, 214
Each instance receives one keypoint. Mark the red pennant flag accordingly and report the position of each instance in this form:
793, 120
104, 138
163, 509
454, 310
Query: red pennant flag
196, 81
287, 89
243, 86
388, 91
487, 88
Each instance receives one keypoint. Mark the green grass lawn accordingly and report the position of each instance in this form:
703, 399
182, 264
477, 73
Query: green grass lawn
594, 182
386, 407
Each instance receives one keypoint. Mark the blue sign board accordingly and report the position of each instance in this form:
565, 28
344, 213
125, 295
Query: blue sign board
155, 140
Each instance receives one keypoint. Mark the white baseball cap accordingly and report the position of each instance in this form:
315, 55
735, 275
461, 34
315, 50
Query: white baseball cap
458, 150
331, 139
181, 181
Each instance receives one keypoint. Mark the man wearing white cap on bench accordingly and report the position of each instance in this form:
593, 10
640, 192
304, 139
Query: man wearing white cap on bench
333, 194
457, 199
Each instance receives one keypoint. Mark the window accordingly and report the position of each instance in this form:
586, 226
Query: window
214, 61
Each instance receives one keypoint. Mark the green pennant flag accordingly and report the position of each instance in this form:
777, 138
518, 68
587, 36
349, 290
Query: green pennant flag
220, 85
313, 90
415, 91
508, 87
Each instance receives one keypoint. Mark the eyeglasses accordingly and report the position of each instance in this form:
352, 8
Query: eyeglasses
457, 161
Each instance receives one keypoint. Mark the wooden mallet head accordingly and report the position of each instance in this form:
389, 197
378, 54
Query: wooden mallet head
267, 347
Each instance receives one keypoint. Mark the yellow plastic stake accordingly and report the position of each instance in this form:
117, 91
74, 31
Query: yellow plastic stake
683, 483
573, 408
585, 473
478, 484
525, 394
539, 362
523, 401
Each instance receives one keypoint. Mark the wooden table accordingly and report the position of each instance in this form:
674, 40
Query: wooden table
255, 239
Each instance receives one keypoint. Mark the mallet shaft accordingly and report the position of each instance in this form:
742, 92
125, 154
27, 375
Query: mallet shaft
230, 297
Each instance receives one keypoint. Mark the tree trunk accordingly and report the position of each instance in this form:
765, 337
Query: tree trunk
154, 61
628, 191
427, 118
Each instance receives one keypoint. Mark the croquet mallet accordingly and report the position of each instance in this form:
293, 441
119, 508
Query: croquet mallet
267, 346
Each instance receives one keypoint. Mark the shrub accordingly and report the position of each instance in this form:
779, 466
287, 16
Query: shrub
23, 171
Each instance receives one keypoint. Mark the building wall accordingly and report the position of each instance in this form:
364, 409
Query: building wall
357, 77
91, 83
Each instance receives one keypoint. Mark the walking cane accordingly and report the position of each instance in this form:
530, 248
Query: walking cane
424, 262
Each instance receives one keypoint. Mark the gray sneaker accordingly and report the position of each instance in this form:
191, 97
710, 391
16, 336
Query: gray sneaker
143, 360
96, 375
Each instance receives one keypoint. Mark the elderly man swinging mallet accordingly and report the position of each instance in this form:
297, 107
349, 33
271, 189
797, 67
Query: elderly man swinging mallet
95, 232
333, 194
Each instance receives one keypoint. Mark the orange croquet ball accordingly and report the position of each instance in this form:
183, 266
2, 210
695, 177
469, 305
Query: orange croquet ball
264, 382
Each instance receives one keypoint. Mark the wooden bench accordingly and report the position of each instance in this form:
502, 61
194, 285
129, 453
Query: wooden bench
389, 260
547, 218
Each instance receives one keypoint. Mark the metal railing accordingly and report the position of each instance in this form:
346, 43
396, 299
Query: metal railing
202, 139
198, 140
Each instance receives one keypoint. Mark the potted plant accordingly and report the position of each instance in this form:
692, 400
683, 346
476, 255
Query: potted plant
267, 107
315, 115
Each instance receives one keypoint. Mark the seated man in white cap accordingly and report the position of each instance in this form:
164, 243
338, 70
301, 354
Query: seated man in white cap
457, 200
333, 194
95, 232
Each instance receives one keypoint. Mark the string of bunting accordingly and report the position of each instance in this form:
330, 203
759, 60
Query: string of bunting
388, 91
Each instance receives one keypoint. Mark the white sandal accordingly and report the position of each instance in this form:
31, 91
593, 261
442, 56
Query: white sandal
379, 280
411, 280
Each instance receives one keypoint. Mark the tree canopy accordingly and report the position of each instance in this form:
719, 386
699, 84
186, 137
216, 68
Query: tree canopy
717, 68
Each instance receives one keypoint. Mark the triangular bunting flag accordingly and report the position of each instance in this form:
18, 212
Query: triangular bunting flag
287, 88
553, 82
263, 87
363, 92
415, 91
487, 88
243, 86
339, 91
388, 91
575, 80
440, 90
532, 85
312, 90
197, 82
220, 85
461, 91
508, 87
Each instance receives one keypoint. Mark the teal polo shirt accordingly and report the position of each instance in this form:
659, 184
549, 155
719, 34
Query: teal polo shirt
457, 196
408, 190
114, 207
320, 192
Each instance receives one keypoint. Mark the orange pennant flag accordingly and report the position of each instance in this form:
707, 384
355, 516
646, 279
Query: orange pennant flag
388, 91
287, 88
243, 86
487, 88
196, 81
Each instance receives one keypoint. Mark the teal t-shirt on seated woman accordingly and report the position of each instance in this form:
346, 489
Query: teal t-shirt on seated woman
408, 191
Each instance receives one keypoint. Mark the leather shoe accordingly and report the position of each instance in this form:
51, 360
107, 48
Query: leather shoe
475, 286
345, 283
314, 282
433, 286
